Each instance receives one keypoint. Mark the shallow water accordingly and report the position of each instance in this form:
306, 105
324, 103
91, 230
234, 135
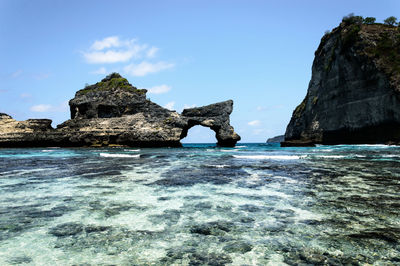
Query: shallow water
255, 204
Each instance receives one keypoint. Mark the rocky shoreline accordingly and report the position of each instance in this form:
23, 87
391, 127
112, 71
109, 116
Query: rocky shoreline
112, 112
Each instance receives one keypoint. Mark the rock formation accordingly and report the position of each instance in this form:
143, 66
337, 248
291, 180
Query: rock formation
29, 133
276, 139
214, 116
113, 112
354, 93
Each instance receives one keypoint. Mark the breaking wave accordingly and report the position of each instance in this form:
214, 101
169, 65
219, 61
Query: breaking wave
118, 155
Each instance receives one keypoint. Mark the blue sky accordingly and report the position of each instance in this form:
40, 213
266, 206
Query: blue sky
188, 53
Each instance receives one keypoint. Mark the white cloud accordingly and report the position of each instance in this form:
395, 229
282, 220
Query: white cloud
112, 41
41, 108
100, 71
254, 123
62, 107
170, 105
159, 89
101, 52
112, 50
152, 52
144, 68
261, 108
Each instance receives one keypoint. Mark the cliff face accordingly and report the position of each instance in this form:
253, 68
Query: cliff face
113, 112
354, 92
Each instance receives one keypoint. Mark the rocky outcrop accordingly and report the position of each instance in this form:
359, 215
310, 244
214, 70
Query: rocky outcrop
113, 112
29, 133
354, 93
214, 116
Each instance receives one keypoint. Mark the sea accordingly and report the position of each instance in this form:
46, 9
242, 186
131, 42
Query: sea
254, 204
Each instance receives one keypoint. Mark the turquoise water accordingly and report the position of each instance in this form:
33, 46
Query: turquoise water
255, 204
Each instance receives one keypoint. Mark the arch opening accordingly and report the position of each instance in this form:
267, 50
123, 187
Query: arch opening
199, 134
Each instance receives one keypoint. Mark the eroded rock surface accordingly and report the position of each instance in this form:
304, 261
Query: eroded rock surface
214, 116
113, 112
354, 93
29, 133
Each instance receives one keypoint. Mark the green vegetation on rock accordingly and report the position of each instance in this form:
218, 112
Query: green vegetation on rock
387, 49
111, 82
369, 20
300, 109
351, 35
351, 19
391, 21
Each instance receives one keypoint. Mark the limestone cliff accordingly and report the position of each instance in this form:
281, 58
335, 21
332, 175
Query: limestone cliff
113, 112
354, 92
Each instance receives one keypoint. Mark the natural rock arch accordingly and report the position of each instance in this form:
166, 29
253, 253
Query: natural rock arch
113, 112
214, 116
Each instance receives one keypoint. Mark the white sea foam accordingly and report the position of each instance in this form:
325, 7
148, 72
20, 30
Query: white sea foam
390, 155
269, 157
384, 146
48, 150
218, 165
131, 150
331, 156
119, 155
359, 156
375, 145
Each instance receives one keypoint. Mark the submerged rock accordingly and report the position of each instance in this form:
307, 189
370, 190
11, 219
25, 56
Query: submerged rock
217, 228
192, 256
66, 229
113, 112
354, 93
238, 247
209, 259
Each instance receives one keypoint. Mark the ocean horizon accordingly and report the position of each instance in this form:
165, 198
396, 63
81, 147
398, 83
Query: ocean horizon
254, 204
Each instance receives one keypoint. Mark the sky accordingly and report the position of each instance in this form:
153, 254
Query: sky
186, 53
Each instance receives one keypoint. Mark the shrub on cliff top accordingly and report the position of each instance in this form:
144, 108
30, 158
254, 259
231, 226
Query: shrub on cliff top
351, 19
392, 21
369, 20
